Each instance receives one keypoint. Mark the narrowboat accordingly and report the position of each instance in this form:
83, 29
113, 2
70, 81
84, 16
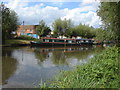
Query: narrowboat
46, 41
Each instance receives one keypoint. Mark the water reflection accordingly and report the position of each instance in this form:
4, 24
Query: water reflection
9, 65
60, 56
26, 66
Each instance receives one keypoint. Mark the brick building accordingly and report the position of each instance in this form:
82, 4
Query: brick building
29, 30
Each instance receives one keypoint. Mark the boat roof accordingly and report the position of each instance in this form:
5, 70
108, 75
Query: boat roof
83, 39
64, 38
58, 38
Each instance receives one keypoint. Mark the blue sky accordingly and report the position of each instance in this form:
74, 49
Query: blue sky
61, 5
79, 12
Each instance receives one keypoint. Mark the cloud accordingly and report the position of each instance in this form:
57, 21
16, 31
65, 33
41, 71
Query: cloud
48, 0
58, 4
33, 14
88, 2
89, 18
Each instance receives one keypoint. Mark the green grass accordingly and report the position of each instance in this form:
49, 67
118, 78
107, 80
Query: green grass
100, 72
17, 41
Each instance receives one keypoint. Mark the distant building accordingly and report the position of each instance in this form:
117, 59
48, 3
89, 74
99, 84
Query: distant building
29, 30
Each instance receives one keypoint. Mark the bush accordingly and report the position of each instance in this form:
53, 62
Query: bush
100, 72
25, 37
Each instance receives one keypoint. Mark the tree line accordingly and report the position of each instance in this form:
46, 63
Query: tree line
108, 12
9, 20
66, 27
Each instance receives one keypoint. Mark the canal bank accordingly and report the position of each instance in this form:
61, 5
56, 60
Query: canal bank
16, 42
102, 71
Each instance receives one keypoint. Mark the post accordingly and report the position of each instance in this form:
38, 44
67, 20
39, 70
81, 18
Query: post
23, 27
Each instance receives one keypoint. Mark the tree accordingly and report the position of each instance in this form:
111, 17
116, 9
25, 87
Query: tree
9, 22
110, 16
66, 27
101, 34
42, 29
83, 31
61, 27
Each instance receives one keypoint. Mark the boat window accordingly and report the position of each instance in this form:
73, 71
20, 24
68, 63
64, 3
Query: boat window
53, 41
46, 40
90, 41
58, 40
78, 41
69, 41
50, 40
61, 40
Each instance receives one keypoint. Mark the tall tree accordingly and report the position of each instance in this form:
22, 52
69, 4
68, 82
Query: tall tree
61, 27
9, 22
42, 29
110, 16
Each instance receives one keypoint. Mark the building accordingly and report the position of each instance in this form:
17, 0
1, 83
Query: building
29, 30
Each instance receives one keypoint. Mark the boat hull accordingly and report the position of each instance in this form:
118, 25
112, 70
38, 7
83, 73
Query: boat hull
58, 44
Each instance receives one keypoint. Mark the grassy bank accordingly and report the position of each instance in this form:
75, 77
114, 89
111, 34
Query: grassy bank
17, 41
100, 72
11, 42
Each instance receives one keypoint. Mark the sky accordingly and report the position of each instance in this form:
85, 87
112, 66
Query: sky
79, 11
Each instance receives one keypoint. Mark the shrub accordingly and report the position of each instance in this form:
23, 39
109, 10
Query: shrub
25, 37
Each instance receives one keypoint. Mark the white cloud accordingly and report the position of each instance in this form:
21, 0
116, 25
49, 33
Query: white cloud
93, 3
87, 2
33, 14
15, 4
89, 18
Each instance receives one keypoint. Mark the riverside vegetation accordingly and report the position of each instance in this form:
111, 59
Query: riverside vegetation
100, 72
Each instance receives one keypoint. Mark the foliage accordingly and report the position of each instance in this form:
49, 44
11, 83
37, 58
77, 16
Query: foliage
25, 37
61, 27
100, 72
9, 22
42, 29
65, 27
110, 16
83, 31
101, 34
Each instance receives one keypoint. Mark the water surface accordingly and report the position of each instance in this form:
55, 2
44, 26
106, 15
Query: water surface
25, 67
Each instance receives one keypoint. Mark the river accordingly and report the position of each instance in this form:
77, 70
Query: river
26, 67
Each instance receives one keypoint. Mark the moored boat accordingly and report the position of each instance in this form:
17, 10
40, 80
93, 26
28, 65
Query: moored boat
46, 41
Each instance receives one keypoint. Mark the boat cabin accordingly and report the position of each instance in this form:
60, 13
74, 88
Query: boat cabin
84, 41
58, 40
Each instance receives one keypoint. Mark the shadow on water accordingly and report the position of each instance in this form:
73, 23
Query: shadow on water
9, 65
25, 67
